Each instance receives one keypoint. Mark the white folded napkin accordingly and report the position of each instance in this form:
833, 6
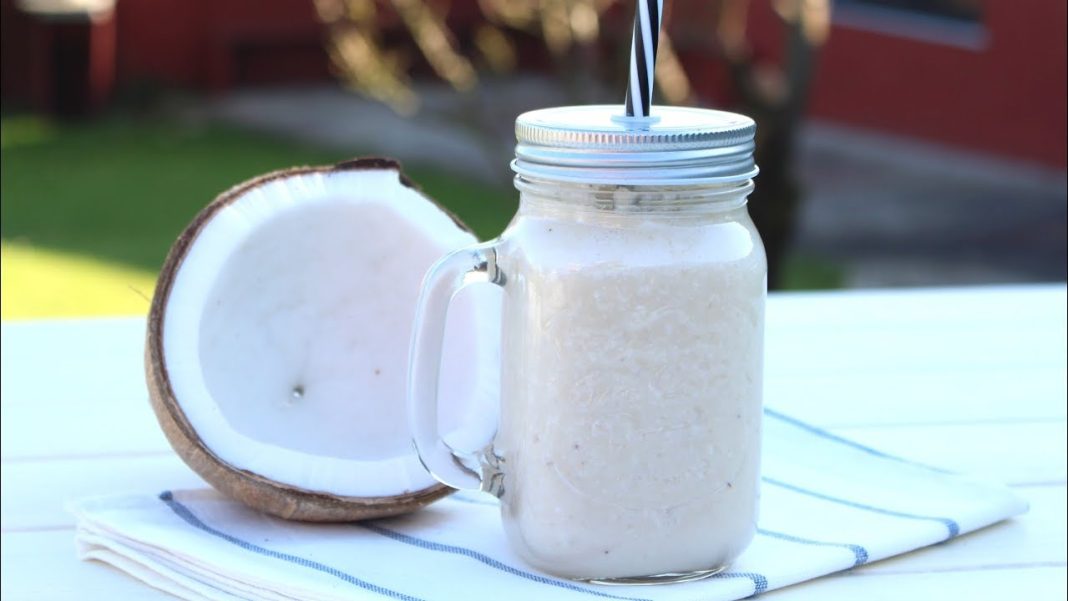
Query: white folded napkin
827, 505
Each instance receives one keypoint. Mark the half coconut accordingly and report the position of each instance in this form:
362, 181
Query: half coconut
278, 341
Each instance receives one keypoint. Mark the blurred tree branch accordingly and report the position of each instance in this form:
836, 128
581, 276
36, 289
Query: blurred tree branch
364, 60
370, 43
775, 95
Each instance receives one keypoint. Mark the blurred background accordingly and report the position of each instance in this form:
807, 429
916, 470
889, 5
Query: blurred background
902, 142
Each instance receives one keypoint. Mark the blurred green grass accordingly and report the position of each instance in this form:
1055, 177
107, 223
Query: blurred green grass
89, 210
122, 189
806, 272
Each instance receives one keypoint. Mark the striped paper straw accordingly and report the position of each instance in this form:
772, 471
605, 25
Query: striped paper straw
643, 57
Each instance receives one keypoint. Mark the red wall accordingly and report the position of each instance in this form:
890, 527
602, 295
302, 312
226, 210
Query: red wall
217, 44
1008, 97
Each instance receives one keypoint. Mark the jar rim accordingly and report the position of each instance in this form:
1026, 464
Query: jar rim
675, 146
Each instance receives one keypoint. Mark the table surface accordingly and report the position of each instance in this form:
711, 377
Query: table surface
970, 379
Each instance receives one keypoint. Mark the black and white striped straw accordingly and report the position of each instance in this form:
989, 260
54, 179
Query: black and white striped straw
643, 57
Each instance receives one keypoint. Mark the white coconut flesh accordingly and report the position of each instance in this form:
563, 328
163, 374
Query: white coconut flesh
286, 331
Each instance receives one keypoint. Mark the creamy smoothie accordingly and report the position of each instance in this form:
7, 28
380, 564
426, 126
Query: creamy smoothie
631, 398
634, 282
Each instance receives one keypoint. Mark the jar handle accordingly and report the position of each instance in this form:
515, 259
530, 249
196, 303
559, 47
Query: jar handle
455, 468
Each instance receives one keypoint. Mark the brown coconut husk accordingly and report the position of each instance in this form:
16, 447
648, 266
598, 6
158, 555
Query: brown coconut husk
247, 487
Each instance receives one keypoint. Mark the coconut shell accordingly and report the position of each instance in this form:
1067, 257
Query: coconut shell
249, 488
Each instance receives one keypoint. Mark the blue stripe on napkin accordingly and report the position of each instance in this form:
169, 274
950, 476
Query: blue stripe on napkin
845, 441
952, 526
183, 512
759, 581
860, 554
489, 561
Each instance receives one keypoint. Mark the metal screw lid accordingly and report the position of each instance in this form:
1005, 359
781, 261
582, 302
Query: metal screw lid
595, 144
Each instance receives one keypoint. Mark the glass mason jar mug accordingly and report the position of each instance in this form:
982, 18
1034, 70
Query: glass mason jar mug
628, 441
